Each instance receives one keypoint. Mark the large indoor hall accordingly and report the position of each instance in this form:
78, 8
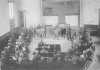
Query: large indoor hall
49, 34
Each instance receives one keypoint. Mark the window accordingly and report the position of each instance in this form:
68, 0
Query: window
51, 20
72, 20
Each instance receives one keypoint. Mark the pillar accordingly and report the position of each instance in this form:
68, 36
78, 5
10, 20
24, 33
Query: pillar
81, 14
99, 20
21, 19
11, 14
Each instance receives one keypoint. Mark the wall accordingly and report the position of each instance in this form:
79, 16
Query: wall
32, 12
66, 11
90, 11
4, 15
53, 20
4, 18
56, 8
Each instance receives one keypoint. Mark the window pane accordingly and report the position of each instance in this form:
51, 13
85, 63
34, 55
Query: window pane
72, 20
51, 20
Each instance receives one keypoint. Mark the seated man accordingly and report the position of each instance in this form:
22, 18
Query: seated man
63, 32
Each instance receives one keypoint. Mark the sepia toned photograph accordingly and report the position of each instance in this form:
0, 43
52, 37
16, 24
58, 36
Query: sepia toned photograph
49, 34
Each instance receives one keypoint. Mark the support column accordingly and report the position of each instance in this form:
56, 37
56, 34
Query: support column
11, 14
81, 13
21, 19
99, 17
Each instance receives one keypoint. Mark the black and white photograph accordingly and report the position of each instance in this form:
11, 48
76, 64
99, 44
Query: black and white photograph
49, 34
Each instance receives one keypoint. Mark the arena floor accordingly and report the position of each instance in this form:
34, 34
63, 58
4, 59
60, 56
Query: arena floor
62, 66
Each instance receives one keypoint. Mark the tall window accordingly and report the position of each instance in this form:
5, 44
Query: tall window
51, 20
72, 20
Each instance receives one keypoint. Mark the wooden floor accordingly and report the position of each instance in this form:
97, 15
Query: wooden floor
41, 66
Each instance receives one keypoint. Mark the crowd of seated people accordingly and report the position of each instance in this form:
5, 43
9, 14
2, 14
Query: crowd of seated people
50, 51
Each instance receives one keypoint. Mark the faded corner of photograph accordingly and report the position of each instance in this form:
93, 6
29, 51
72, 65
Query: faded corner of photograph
49, 34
